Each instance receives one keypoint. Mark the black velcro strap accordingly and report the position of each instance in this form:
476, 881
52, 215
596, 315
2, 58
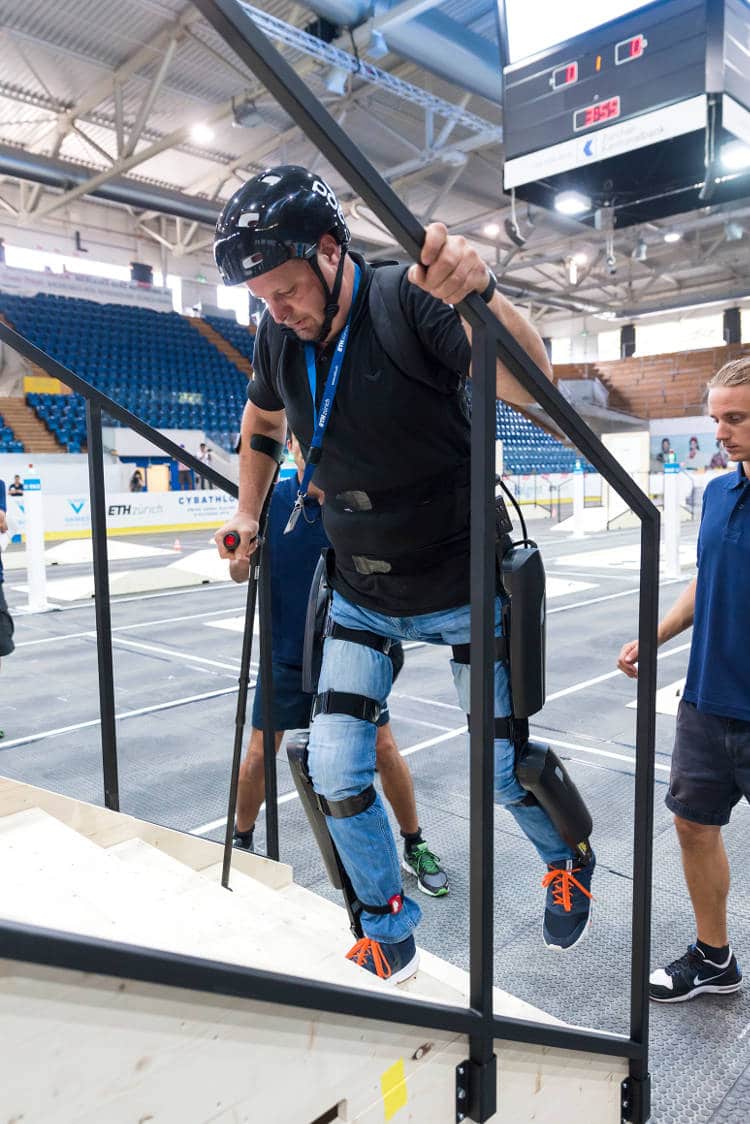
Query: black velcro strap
503, 727
360, 636
462, 652
343, 702
273, 449
351, 806
393, 905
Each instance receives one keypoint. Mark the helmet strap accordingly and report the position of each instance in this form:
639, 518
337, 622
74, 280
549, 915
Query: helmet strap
331, 296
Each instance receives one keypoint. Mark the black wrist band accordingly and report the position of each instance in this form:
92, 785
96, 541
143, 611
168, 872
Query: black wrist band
488, 293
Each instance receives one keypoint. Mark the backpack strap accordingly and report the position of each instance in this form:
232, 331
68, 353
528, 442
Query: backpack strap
397, 335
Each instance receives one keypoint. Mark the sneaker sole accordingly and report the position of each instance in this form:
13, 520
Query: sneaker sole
430, 893
569, 947
726, 989
404, 973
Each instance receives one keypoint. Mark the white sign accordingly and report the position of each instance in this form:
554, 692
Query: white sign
131, 512
625, 136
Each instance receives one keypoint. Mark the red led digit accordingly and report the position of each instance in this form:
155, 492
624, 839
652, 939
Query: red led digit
571, 72
636, 47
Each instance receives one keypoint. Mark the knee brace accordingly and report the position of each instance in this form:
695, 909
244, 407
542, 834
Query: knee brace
541, 772
316, 808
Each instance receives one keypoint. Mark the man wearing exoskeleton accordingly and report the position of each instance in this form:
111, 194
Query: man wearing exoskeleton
368, 367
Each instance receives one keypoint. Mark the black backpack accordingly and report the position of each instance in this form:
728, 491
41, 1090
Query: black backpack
393, 331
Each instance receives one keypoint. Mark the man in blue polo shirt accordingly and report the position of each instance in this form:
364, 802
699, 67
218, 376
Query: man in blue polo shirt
294, 557
6, 622
711, 758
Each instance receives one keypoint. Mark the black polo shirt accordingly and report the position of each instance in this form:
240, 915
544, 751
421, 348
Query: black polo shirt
395, 458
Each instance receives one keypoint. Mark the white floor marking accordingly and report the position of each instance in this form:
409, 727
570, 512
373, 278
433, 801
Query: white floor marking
419, 698
667, 698
610, 675
600, 752
561, 587
624, 557
120, 715
233, 624
119, 628
184, 592
609, 596
186, 657
204, 828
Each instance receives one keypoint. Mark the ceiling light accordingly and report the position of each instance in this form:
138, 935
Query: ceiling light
201, 134
672, 236
640, 253
580, 257
733, 231
453, 157
572, 203
735, 156
491, 230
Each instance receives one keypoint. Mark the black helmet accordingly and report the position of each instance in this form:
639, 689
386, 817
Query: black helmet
280, 214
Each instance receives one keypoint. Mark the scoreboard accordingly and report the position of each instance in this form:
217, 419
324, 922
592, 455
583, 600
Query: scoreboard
630, 113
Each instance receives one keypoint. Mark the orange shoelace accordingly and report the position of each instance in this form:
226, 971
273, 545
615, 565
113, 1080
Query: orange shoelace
561, 891
365, 948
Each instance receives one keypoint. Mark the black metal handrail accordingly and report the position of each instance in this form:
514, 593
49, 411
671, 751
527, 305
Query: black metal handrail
491, 340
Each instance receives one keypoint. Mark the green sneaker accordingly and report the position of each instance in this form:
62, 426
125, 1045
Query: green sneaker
431, 878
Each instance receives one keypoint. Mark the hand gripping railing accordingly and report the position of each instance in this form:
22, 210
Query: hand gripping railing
490, 340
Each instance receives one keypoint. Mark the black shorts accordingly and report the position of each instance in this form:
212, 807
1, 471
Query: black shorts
710, 766
291, 705
6, 626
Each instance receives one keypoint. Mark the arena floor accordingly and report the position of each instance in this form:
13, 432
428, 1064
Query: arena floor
176, 661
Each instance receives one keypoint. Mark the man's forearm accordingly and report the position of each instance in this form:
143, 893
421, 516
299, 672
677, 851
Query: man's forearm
257, 469
508, 389
680, 616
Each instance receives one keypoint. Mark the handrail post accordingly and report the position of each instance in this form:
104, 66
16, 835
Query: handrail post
101, 604
482, 1078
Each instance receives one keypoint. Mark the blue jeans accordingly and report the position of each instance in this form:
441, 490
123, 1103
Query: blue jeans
342, 756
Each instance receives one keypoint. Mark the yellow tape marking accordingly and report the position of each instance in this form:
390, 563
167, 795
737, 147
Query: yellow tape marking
393, 1087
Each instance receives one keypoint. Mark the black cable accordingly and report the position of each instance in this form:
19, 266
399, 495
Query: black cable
526, 540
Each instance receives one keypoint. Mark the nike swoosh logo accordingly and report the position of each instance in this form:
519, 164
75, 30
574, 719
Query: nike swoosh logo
707, 979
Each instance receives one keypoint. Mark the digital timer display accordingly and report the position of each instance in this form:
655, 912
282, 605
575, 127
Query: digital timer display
629, 49
564, 75
595, 114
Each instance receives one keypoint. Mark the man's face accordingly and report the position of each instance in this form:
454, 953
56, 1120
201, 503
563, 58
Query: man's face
293, 294
729, 406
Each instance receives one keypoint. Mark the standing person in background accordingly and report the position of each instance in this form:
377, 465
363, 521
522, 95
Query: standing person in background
293, 560
16, 486
711, 757
204, 456
6, 621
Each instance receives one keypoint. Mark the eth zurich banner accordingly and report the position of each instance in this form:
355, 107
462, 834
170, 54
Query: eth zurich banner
128, 513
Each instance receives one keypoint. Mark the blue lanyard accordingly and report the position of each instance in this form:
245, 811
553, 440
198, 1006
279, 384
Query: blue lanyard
321, 418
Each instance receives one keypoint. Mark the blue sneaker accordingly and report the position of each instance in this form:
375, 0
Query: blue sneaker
392, 963
567, 912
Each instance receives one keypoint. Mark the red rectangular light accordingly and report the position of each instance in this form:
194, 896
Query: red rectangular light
629, 49
564, 76
596, 114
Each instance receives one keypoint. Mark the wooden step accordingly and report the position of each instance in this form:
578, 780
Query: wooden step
222, 345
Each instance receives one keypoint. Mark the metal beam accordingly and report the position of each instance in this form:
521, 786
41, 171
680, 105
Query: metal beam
132, 161
148, 101
144, 56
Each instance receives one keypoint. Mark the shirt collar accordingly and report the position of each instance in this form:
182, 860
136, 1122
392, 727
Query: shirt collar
741, 478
